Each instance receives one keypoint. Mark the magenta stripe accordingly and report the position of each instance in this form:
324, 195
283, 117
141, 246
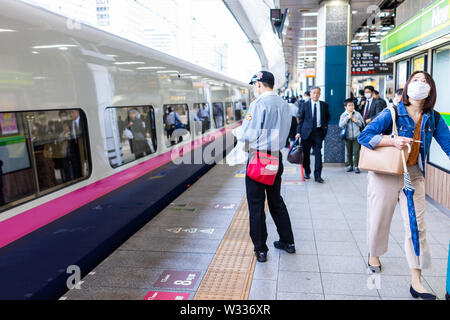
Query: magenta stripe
22, 224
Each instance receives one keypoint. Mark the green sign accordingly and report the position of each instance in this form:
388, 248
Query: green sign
432, 23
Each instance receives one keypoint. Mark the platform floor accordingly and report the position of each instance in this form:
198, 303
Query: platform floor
329, 223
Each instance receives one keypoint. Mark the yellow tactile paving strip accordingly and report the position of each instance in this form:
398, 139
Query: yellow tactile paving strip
230, 274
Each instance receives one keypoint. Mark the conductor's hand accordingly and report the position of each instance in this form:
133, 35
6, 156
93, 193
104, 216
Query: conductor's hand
297, 136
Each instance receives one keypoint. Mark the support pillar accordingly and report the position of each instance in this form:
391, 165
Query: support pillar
333, 68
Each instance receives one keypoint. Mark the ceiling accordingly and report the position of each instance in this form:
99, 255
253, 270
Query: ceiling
300, 44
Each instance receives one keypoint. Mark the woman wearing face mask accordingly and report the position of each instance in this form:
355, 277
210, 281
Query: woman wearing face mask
416, 121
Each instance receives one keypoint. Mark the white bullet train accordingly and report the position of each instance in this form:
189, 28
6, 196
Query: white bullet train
88, 123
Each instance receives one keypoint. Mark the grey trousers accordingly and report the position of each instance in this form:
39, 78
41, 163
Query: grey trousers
383, 193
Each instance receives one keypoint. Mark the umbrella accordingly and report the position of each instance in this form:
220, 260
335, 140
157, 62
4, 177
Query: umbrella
409, 190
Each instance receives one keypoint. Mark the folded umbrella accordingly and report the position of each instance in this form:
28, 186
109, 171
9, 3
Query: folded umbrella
409, 190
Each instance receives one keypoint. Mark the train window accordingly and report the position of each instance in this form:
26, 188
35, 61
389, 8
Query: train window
218, 112
176, 123
202, 118
41, 152
238, 109
130, 134
230, 108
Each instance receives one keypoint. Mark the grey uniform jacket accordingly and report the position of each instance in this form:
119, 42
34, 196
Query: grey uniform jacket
267, 123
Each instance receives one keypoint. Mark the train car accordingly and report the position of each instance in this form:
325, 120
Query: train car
90, 126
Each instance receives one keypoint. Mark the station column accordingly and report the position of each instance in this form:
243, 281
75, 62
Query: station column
334, 24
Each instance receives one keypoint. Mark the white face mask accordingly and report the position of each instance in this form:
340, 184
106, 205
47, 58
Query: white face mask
256, 93
418, 90
368, 95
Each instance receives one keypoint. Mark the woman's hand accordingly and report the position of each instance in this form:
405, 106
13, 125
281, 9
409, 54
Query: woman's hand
401, 142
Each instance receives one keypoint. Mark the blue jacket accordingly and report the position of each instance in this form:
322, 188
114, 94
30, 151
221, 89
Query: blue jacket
372, 134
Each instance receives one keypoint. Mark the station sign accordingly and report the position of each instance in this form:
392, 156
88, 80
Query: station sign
430, 24
366, 61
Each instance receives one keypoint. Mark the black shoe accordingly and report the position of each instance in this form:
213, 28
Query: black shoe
349, 169
424, 296
320, 180
357, 170
261, 256
374, 269
289, 248
307, 176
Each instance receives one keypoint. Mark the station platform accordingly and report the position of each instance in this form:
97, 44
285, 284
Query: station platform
199, 247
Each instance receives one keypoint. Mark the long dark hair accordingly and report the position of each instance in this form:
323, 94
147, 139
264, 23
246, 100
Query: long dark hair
428, 106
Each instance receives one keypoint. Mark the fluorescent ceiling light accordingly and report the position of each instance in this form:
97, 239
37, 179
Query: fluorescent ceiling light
55, 46
7, 30
354, 12
128, 62
309, 28
150, 68
310, 14
168, 71
308, 39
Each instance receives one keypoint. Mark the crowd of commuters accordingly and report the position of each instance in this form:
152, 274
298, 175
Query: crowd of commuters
366, 121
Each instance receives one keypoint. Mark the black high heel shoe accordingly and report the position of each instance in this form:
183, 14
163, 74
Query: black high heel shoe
424, 296
374, 269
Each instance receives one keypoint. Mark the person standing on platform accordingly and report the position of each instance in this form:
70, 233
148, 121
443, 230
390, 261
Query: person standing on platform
419, 123
294, 111
397, 97
381, 100
361, 102
354, 122
265, 129
372, 106
313, 119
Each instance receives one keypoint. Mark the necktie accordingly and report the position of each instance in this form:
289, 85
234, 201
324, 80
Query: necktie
366, 114
315, 116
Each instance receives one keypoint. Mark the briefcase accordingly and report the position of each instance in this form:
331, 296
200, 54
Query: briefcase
295, 154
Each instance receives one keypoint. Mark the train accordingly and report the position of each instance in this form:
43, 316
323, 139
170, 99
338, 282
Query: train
90, 125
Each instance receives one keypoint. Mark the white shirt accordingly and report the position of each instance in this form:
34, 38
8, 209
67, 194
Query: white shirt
319, 124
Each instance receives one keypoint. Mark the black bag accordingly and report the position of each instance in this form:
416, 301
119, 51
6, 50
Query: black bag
295, 154
343, 133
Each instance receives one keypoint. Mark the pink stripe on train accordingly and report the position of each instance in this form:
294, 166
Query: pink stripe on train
19, 226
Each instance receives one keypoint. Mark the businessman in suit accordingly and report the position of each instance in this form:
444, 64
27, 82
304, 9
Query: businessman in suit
372, 106
313, 119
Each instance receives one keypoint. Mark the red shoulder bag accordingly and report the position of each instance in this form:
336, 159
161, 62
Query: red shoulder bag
263, 168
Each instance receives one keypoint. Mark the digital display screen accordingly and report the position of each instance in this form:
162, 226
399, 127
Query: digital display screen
366, 61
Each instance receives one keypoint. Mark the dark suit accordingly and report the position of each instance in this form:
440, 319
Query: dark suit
375, 107
383, 104
313, 137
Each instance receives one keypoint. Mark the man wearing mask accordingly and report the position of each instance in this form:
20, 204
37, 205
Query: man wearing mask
313, 118
372, 106
265, 129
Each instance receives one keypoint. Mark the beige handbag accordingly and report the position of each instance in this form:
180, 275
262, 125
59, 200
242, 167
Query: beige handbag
386, 160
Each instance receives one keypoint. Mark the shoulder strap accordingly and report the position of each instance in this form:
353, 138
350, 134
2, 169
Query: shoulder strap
437, 117
394, 114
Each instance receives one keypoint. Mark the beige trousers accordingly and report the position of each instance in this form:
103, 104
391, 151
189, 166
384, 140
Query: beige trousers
383, 193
